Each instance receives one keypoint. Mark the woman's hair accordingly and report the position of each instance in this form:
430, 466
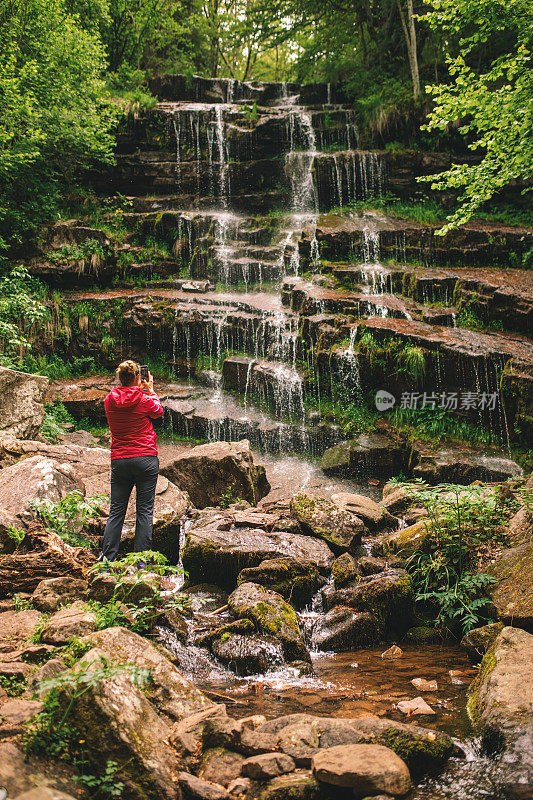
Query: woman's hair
127, 372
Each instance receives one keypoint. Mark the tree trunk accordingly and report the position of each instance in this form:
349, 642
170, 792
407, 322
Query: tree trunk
410, 40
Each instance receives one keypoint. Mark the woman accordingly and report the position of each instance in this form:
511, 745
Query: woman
130, 408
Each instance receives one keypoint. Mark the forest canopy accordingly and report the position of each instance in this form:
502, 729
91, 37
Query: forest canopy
447, 71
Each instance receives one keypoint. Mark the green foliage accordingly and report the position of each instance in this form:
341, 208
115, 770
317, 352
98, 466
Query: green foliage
12, 685
22, 312
55, 120
102, 786
69, 516
17, 534
21, 603
491, 101
464, 523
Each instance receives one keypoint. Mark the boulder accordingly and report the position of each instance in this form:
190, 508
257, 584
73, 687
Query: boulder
116, 719
209, 471
449, 466
296, 581
194, 788
216, 553
15, 713
272, 615
302, 735
344, 571
16, 626
364, 768
501, 709
478, 640
388, 595
33, 479
248, 655
268, 766
322, 518
52, 593
343, 629
405, 541
221, 766
172, 694
370, 455
294, 786
21, 402
374, 516
398, 497
68, 623
513, 592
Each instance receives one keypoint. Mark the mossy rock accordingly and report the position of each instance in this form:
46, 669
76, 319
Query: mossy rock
239, 626
322, 518
422, 634
272, 615
406, 541
344, 570
296, 581
513, 593
477, 641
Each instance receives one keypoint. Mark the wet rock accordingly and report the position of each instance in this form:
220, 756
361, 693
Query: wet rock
424, 686
344, 570
21, 402
296, 581
388, 595
171, 693
295, 786
405, 541
343, 629
417, 707
478, 640
320, 517
214, 554
209, 471
371, 454
188, 735
374, 516
221, 766
74, 621
302, 735
392, 652
371, 566
365, 768
513, 592
448, 466
50, 594
194, 788
272, 615
239, 626
422, 635
501, 709
398, 498
268, 766
248, 655
115, 718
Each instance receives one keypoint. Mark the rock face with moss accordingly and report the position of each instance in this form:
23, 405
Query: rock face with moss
501, 709
388, 595
513, 593
271, 615
343, 629
297, 581
320, 517
21, 402
210, 471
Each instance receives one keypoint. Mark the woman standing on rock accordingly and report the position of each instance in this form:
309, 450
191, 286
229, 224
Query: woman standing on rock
130, 408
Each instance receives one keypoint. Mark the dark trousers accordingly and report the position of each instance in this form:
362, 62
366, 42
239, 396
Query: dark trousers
141, 472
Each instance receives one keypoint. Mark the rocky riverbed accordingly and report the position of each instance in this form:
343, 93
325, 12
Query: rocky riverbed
290, 662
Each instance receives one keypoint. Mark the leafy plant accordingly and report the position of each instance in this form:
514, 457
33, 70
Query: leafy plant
12, 685
69, 516
105, 785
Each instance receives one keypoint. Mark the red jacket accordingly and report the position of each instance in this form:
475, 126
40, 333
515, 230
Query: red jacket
129, 412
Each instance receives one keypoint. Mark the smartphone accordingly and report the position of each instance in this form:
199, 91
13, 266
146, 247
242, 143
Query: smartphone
145, 372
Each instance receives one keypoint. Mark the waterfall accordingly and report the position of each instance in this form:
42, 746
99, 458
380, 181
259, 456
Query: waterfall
299, 164
223, 159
